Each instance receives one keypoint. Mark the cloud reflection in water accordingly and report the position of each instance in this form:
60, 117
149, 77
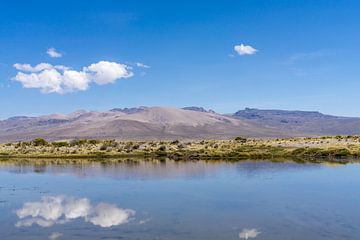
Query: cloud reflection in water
249, 233
55, 235
52, 210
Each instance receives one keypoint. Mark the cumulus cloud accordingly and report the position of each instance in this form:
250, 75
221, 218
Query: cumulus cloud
53, 53
55, 235
249, 233
61, 79
105, 72
245, 49
38, 68
52, 210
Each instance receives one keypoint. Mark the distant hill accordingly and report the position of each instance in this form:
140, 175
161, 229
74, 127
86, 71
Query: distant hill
154, 123
305, 122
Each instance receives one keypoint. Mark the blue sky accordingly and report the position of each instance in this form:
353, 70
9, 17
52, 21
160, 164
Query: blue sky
306, 59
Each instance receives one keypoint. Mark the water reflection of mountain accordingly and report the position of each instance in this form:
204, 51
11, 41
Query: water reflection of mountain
253, 168
121, 170
151, 169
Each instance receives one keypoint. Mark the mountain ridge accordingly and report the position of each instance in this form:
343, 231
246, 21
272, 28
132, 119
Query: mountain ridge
156, 123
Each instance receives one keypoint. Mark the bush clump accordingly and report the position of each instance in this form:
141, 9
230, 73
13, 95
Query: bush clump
104, 147
60, 144
39, 142
93, 141
162, 148
241, 139
78, 142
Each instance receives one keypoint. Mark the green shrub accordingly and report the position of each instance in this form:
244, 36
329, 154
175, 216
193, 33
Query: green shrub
162, 148
241, 139
103, 147
93, 141
60, 144
175, 142
39, 142
78, 142
136, 146
113, 143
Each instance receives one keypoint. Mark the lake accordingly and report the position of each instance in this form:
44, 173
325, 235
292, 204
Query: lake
179, 200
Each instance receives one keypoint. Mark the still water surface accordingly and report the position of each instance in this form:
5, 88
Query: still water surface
180, 200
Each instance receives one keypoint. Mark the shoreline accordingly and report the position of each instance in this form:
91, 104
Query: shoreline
327, 148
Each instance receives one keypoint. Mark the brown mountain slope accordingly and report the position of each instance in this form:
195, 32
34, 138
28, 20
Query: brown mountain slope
154, 123
146, 123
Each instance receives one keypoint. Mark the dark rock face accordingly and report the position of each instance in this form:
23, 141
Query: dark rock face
52, 121
198, 109
129, 110
253, 113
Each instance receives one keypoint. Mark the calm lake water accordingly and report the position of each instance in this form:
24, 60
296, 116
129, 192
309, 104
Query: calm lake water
180, 200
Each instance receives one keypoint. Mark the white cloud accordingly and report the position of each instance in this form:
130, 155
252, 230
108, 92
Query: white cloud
142, 65
245, 49
74, 80
107, 215
28, 68
53, 53
249, 233
108, 72
61, 79
49, 208
55, 235
48, 80
52, 210
61, 67
76, 208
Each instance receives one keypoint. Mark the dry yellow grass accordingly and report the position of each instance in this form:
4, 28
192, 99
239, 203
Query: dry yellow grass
339, 147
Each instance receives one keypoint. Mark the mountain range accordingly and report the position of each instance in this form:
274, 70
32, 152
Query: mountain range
155, 123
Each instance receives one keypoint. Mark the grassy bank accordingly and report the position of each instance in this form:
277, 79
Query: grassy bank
339, 148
